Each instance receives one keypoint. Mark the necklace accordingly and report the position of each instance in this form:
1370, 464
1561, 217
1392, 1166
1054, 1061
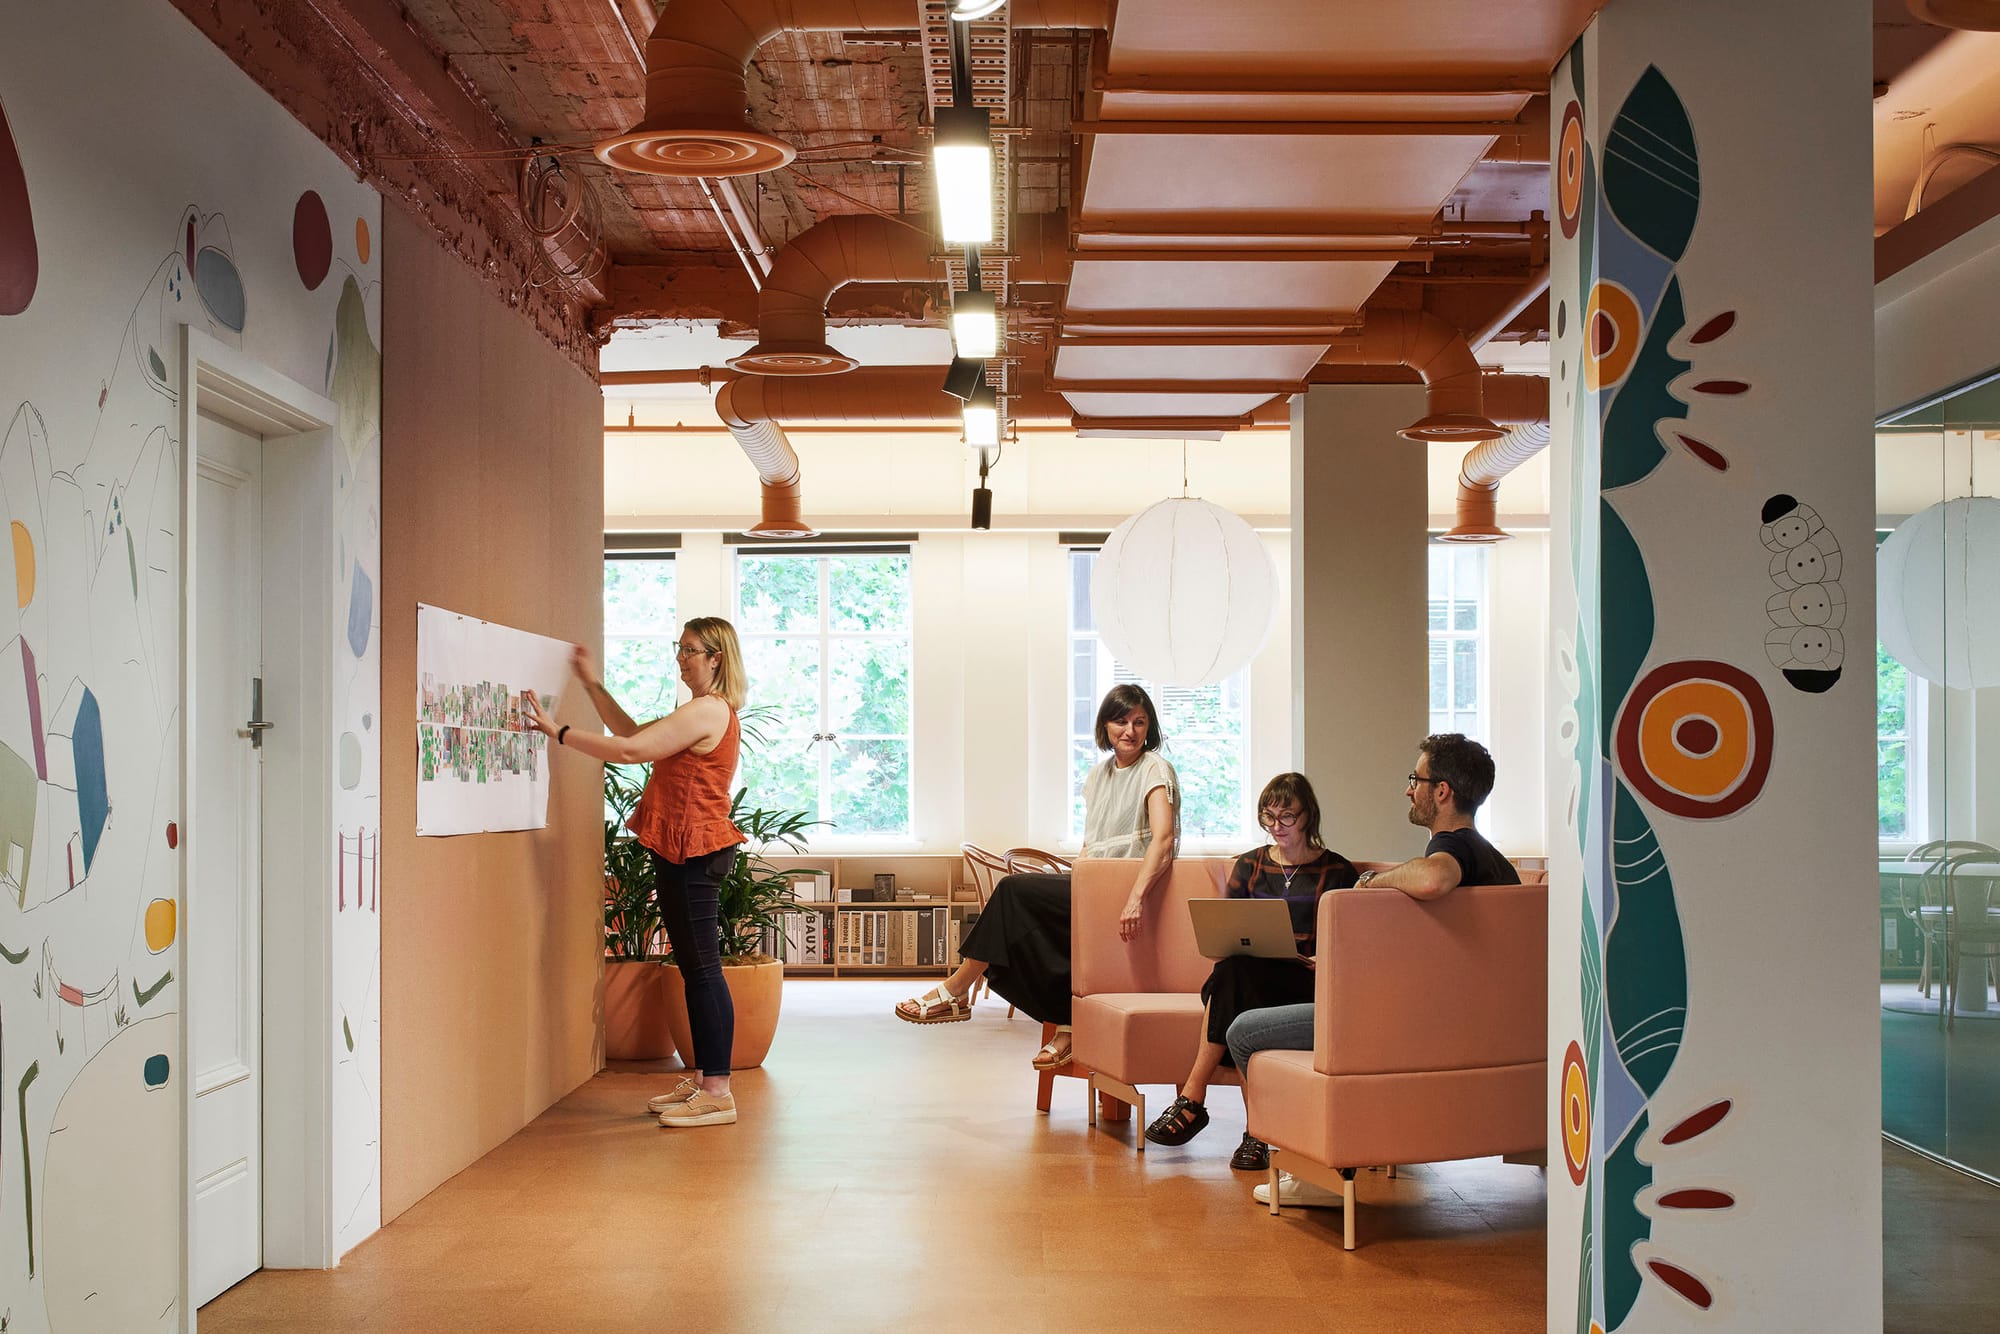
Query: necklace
1287, 872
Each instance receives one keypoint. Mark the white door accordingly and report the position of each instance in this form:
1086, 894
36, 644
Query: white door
225, 989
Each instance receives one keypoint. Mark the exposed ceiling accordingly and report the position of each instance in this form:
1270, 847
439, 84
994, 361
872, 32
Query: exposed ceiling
1236, 187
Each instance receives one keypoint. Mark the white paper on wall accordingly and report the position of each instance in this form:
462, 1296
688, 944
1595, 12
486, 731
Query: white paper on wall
480, 767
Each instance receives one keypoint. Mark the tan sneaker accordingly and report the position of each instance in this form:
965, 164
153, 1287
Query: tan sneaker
682, 1091
703, 1109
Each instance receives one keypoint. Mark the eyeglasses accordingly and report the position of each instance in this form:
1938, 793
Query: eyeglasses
1419, 778
1279, 819
683, 650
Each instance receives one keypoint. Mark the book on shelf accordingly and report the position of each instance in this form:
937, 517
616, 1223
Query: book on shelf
926, 949
904, 894
965, 894
881, 955
795, 942
823, 885
909, 934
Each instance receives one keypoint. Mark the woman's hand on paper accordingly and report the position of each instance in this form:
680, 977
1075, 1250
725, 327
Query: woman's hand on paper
580, 663
537, 719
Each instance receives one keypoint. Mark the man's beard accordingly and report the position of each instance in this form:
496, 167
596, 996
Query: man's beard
1419, 816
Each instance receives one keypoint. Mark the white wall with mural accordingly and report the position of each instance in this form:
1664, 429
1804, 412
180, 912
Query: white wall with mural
146, 183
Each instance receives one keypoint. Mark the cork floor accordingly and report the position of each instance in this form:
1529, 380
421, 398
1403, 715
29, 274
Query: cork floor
885, 1177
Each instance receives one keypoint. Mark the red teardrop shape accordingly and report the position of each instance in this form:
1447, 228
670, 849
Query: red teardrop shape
1696, 1198
173, 834
1686, 1284
1705, 453
20, 261
1700, 1123
1715, 328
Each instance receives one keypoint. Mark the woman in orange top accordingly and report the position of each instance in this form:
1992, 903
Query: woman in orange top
683, 820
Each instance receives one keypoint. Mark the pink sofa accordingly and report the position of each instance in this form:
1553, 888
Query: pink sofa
1430, 1040
1137, 1011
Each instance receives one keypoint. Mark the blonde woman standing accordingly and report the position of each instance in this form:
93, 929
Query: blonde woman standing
683, 820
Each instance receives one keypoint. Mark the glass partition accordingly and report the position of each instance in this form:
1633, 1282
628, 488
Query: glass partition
1937, 675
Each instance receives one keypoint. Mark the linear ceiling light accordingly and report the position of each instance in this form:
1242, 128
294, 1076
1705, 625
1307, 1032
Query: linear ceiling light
982, 419
965, 11
962, 161
975, 324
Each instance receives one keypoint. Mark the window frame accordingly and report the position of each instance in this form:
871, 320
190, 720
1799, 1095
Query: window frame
1070, 838
1479, 636
830, 837
672, 632
1916, 763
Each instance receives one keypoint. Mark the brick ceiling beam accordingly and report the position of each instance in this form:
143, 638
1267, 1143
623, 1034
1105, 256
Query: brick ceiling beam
376, 91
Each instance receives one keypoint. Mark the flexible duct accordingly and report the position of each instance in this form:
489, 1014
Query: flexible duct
1436, 351
1479, 481
697, 120
791, 307
763, 442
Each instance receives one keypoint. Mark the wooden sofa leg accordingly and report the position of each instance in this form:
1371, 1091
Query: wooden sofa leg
1090, 1098
1346, 1207
1392, 1171
1271, 1176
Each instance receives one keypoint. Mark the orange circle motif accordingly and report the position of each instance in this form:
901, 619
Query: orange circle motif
1611, 330
1576, 1115
1694, 739
361, 239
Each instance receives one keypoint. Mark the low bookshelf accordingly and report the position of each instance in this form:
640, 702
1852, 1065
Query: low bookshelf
863, 936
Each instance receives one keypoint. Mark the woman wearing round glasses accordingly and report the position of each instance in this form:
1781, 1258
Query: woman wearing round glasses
683, 820
1294, 866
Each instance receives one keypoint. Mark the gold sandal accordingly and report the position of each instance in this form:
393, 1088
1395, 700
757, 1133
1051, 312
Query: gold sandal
1052, 1057
936, 1006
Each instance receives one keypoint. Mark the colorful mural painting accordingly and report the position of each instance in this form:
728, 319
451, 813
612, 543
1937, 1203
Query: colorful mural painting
1687, 738
99, 272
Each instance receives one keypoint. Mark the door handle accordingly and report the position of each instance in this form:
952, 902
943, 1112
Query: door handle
256, 727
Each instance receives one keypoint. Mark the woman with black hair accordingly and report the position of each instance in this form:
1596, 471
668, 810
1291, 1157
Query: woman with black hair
1021, 942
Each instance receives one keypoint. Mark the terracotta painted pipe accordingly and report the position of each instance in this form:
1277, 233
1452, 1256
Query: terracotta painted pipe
1435, 350
697, 120
791, 308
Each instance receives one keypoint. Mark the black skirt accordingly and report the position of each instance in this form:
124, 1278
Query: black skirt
1244, 982
1022, 937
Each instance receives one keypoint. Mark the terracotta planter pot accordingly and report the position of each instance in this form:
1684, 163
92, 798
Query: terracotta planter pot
636, 1010
756, 989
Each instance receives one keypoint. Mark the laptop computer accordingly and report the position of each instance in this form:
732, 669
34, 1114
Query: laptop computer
1263, 927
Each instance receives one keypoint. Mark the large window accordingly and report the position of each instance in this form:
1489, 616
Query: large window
1897, 778
639, 634
1458, 639
1208, 729
827, 643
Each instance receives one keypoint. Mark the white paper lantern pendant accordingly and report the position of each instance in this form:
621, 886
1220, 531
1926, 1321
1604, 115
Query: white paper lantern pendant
1938, 577
1184, 593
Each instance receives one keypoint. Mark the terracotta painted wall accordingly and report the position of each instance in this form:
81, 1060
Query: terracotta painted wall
493, 506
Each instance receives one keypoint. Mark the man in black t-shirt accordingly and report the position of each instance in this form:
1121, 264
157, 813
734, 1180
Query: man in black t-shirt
1453, 776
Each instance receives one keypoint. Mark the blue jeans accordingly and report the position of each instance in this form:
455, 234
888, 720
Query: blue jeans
687, 892
1277, 1028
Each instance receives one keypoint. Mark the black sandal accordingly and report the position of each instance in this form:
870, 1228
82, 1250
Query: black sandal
1252, 1155
1181, 1122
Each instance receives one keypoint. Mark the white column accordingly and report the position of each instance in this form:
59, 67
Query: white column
1713, 1002
1359, 587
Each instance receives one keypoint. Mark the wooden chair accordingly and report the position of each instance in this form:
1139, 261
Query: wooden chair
1972, 928
984, 869
1033, 861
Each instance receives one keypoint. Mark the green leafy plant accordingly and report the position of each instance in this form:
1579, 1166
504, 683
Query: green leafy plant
631, 918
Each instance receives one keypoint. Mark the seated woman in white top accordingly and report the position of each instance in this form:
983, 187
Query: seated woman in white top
1021, 942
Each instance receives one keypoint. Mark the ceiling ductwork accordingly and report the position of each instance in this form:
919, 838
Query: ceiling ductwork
1437, 351
1479, 482
791, 308
1966, 15
697, 120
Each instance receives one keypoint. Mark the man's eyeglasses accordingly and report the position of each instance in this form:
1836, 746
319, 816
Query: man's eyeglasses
1419, 778
1279, 819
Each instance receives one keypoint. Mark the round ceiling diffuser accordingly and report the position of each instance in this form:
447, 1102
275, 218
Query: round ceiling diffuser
660, 152
1452, 426
792, 359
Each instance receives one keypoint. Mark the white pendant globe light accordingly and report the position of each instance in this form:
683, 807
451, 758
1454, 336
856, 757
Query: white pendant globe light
1939, 581
1184, 593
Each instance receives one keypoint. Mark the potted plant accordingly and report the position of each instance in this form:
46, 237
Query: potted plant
636, 1000
752, 897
